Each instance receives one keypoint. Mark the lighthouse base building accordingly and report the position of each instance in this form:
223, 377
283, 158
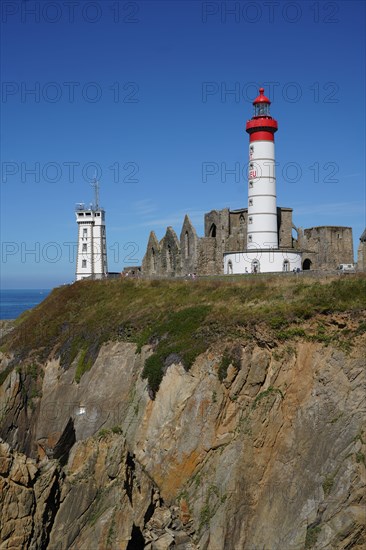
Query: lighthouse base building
262, 260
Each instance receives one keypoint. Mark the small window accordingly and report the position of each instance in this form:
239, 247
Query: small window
85, 246
250, 202
251, 148
83, 263
250, 238
85, 232
87, 213
230, 267
97, 214
250, 219
255, 266
186, 244
339, 236
81, 214
250, 184
286, 266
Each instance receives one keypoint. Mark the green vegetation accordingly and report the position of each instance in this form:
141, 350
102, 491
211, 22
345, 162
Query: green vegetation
212, 503
84, 364
35, 393
312, 536
269, 391
178, 340
230, 357
103, 433
112, 531
328, 484
180, 319
360, 458
294, 332
223, 366
98, 506
117, 430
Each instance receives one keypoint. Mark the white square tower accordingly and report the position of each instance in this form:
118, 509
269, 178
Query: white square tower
91, 261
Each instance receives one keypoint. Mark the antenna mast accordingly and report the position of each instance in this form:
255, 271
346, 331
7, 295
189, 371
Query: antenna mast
95, 184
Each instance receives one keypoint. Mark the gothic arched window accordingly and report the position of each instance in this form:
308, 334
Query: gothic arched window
212, 230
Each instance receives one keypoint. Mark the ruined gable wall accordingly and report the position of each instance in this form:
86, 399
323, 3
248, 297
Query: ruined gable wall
170, 257
189, 248
151, 260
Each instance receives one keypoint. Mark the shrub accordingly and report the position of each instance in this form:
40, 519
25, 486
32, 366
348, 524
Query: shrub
223, 366
360, 458
117, 430
177, 336
328, 484
83, 365
269, 391
153, 371
312, 536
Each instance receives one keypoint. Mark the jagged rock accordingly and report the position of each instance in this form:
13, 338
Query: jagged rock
181, 537
161, 519
163, 543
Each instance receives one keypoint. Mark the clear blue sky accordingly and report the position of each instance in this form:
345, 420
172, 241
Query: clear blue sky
142, 88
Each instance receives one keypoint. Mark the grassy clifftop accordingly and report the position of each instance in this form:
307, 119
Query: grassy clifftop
180, 317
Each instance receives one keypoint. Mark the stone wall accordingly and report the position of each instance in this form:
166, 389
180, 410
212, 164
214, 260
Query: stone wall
285, 225
189, 247
151, 260
361, 253
170, 260
326, 246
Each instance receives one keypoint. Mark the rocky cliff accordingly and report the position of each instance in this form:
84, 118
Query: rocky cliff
260, 444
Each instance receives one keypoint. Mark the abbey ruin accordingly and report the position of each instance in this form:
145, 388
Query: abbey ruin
324, 247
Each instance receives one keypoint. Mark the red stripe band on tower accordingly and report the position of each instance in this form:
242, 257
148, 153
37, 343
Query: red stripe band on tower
261, 136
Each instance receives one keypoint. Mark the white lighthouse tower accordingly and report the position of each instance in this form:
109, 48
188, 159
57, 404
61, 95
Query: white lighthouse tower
262, 253
91, 261
262, 204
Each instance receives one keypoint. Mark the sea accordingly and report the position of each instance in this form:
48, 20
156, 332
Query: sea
14, 302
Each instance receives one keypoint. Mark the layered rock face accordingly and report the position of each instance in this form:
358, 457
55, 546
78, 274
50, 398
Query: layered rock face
266, 452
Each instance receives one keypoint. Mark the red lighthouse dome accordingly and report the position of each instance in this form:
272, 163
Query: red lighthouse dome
262, 126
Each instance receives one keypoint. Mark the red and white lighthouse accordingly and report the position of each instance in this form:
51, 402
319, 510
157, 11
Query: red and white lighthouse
262, 204
263, 252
